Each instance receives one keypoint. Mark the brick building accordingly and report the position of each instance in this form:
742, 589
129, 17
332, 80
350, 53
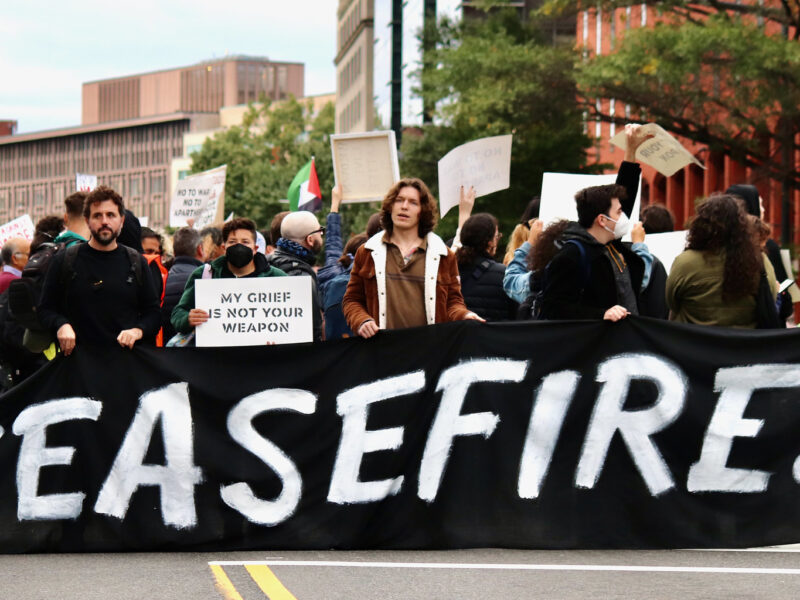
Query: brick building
598, 32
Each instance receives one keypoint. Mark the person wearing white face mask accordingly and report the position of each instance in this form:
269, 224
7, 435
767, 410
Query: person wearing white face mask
595, 275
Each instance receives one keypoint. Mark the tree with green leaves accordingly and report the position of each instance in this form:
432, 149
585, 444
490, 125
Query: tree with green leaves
496, 76
723, 74
264, 154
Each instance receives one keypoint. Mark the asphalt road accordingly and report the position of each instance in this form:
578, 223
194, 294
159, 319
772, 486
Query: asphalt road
463, 575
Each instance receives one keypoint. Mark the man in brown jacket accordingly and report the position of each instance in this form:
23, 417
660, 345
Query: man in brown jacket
404, 276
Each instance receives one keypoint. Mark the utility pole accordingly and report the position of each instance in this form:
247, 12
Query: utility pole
397, 70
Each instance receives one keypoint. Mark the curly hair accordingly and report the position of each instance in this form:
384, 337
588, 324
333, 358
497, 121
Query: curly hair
100, 194
476, 234
428, 206
546, 246
721, 226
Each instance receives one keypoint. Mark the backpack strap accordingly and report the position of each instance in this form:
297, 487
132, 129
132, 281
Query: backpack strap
67, 272
136, 265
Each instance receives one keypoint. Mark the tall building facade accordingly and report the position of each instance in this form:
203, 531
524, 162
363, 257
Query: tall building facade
133, 127
598, 33
365, 52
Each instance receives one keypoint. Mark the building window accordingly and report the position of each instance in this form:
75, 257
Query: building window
183, 173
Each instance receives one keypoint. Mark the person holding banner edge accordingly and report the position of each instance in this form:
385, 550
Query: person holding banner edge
240, 260
404, 276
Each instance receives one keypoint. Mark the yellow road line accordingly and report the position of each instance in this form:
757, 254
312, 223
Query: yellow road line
223, 584
268, 582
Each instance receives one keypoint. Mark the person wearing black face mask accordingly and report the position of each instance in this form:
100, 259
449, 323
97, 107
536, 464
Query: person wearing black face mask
240, 260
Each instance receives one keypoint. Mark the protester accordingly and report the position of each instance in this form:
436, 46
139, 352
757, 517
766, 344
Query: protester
374, 224
517, 278
657, 219
296, 253
19, 361
333, 242
187, 246
213, 247
714, 281
482, 276
334, 289
240, 260
76, 231
15, 255
522, 232
275, 229
404, 276
754, 205
100, 292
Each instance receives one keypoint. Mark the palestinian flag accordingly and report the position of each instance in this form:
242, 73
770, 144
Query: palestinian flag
304, 191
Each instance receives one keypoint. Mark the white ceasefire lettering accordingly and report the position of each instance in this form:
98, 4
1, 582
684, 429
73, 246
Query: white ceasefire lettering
176, 479
552, 400
736, 384
239, 496
449, 422
33, 455
356, 441
635, 426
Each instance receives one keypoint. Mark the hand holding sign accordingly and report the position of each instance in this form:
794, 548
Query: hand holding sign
660, 150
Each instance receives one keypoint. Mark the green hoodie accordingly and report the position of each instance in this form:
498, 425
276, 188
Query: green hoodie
69, 238
219, 269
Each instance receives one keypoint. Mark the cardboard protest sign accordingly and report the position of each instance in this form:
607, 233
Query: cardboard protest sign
365, 164
254, 311
558, 195
21, 227
663, 152
484, 164
200, 197
666, 246
85, 183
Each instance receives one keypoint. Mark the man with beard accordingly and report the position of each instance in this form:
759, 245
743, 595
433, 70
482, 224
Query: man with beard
296, 252
100, 292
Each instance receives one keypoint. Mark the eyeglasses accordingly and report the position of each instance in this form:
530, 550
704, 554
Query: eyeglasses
320, 231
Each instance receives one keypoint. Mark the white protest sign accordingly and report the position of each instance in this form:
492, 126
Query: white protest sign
484, 164
558, 195
786, 260
199, 197
663, 152
365, 164
85, 183
21, 227
252, 311
666, 246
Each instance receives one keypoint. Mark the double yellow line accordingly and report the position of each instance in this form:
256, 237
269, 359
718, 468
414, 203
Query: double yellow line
261, 574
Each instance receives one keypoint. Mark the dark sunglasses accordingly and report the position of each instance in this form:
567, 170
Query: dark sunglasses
321, 230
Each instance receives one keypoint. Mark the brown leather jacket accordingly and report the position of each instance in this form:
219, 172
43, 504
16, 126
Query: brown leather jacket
362, 300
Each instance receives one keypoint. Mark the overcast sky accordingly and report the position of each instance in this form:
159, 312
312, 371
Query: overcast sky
48, 48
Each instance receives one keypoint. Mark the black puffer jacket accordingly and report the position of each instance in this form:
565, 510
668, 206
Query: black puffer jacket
292, 265
482, 288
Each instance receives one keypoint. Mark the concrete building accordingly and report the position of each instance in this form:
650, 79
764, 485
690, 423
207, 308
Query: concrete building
133, 127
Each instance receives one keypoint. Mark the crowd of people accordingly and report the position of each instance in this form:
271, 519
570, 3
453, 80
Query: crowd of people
95, 276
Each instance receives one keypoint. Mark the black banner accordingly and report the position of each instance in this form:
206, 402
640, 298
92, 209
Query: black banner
640, 434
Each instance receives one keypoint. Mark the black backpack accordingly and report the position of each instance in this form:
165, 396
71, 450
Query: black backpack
24, 293
531, 307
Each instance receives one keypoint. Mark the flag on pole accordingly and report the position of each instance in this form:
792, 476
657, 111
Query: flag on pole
304, 191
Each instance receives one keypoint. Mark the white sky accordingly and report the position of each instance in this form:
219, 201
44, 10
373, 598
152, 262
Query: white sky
49, 48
